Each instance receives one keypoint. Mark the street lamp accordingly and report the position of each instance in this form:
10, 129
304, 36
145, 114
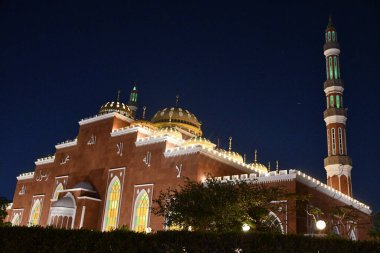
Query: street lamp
245, 227
321, 224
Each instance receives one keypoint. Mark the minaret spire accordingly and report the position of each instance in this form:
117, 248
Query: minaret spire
133, 99
338, 164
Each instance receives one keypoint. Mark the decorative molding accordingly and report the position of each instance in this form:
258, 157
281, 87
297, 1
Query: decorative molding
333, 89
45, 160
77, 189
304, 179
89, 198
27, 175
335, 119
158, 138
338, 169
66, 144
131, 129
104, 116
332, 51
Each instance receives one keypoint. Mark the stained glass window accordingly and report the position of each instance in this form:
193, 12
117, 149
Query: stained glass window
35, 214
57, 190
337, 98
335, 68
330, 68
112, 206
16, 220
331, 101
141, 212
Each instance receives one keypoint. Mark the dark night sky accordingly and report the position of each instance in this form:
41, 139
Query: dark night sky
254, 71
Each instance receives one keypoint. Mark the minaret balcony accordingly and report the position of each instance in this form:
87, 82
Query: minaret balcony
343, 160
335, 111
329, 45
334, 82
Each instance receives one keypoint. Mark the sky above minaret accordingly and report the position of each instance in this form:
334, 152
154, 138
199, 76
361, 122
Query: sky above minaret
253, 71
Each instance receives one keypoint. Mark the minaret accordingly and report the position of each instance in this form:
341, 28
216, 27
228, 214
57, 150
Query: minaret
133, 100
337, 164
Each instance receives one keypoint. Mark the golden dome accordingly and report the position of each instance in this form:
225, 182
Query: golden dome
178, 117
168, 131
258, 166
200, 141
233, 155
118, 107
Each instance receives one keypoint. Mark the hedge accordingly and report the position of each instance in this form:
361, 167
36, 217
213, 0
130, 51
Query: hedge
23, 239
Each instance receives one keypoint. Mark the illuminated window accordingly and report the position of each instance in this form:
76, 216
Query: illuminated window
112, 205
16, 220
328, 142
331, 101
57, 190
141, 212
337, 98
330, 68
335, 68
333, 141
333, 36
327, 102
329, 36
340, 139
35, 214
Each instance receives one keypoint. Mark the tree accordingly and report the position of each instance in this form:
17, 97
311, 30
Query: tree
217, 206
3, 210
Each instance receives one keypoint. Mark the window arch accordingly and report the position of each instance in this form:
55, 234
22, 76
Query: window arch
16, 220
35, 214
111, 213
57, 190
141, 212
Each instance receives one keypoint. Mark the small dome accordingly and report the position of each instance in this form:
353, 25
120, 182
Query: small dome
66, 202
178, 117
258, 166
233, 155
168, 131
118, 107
200, 141
84, 185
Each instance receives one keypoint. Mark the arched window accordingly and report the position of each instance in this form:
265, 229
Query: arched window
328, 142
57, 190
141, 212
16, 220
333, 141
35, 214
111, 213
273, 223
333, 36
331, 101
335, 68
330, 68
329, 36
340, 139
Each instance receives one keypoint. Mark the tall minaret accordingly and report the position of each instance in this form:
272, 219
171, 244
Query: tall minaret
337, 164
132, 103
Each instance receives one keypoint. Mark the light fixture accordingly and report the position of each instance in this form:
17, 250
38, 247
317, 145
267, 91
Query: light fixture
321, 224
148, 230
245, 227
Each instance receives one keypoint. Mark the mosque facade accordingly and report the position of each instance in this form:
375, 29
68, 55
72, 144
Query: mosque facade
107, 177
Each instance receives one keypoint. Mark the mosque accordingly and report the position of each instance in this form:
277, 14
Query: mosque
108, 175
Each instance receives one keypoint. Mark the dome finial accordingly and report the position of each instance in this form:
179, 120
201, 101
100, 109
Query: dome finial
277, 166
255, 155
144, 110
176, 100
118, 96
244, 157
269, 166
230, 144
